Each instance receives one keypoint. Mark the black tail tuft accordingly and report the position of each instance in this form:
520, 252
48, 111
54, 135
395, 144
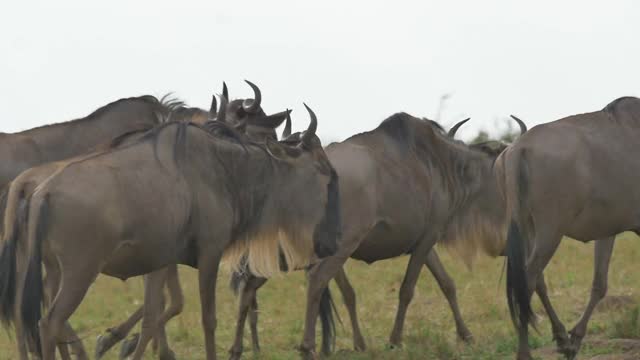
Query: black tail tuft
327, 309
518, 296
8, 281
240, 278
8, 264
237, 281
32, 292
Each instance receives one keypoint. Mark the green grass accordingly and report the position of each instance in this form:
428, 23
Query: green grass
627, 325
429, 328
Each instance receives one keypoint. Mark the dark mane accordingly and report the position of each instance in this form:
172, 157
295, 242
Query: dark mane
397, 127
615, 105
182, 113
457, 164
223, 130
435, 124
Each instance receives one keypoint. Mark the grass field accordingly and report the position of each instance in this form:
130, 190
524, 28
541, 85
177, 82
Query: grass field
429, 331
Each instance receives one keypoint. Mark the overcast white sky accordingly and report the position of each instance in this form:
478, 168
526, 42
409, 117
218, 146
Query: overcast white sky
353, 62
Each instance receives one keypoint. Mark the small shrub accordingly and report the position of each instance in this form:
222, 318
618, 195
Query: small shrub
627, 325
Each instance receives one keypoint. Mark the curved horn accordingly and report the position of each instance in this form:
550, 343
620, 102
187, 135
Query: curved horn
252, 105
313, 126
452, 132
222, 113
287, 126
523, 126
213, 110
225, 91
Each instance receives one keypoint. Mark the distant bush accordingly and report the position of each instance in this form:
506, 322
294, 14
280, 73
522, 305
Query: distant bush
627, 325
508, 135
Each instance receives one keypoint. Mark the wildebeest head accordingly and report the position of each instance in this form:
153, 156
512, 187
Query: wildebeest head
493, 148
247, 115
317, 179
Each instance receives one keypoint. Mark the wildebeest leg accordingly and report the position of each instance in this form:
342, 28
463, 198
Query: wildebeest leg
349, 297
448, 288
405, 295
73, 342
253, 324
602, 255
153, 284
247, 301
21, 339
207, 275
116, 334
52, 284
175, 308
546, 242
74, 286
558, 329
159, 340
319, 276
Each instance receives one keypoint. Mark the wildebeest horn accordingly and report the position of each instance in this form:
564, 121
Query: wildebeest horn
225, 91
222, 113
213, 110
287, 126
523, 126
252, 105
313, 126
452, 132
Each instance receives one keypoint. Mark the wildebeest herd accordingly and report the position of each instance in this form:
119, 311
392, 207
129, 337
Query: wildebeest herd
142, 184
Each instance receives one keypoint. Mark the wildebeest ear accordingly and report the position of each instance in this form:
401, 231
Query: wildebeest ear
271, 121
280, 151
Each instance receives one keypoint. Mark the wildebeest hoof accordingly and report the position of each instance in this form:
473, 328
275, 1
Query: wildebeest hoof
571, 349
394, 345
105, 342
167, 355
359, 345
466, 337
524, 356
569, 352
129, 346
307, 354
235, 354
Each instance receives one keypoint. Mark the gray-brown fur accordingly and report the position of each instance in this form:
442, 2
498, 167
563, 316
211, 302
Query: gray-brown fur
199, 177
247, 285
174, 111
20, 151
442, 182
574, 177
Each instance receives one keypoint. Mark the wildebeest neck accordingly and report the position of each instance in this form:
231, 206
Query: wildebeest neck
64, 140
455, 183
275, 203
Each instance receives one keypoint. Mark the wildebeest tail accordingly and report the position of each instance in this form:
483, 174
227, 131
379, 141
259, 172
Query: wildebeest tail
16, 219
517, 285
518, 296
237, 281
327, 309
32, 292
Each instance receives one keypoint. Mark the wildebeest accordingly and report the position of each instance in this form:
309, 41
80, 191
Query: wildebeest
247, 286
449, 195
574, 177
246, 117
238, 112
190, 197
